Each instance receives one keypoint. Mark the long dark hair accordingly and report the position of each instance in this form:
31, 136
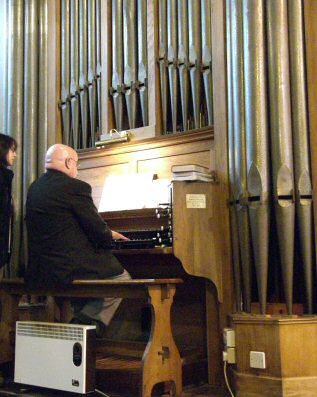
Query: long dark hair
6, 143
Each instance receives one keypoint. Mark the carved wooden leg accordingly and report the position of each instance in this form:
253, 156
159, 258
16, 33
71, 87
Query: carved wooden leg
161, 360
9, 315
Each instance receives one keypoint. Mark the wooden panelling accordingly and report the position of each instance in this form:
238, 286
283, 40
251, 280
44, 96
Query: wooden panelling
290, 347
164, 164
199, 230
96, 178
154, 155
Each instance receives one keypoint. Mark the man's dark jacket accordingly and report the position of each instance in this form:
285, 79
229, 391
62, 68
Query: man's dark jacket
67, 238
6, 176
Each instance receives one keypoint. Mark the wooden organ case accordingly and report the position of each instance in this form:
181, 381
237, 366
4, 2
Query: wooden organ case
198, 253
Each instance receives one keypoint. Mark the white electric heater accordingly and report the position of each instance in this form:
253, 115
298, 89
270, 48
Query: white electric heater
55, 356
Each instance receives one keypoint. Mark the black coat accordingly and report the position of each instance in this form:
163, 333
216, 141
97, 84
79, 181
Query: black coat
67, 238
6, 177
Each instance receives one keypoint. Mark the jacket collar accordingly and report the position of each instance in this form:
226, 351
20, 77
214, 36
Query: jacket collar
7, 175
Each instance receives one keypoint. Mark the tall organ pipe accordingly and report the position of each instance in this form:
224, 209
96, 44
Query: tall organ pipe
15, 119
183, 59
231, 153
303, 187
130, 58
117, 62
65, 69
142, 60
163, 61
83, 67
92, 69
98, 63
240, 150
206, 56
172, 58
43, 139
256, 131
30, 126
194, 39
74, 61
281, 139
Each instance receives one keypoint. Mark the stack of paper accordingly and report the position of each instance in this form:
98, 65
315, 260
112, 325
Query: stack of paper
191, 172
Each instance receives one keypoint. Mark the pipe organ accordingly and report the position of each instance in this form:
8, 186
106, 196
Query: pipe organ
270, 182
80, 100
183, 46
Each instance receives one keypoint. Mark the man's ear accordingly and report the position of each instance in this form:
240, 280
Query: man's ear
67, 163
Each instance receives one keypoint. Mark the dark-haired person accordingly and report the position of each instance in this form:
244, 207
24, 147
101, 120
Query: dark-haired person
8, 146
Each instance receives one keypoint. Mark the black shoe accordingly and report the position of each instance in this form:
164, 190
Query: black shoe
100, 327
76, 320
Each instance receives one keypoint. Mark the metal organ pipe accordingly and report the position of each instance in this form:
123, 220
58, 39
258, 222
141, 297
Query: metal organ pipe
256, 135
43, 139
162, 59
83, 66
231, 162
74, 61
30, 122
183, 59
273, 78
15, 119
194, 42
65, 69
98, 64
117, 62
207, 56
172, 58
92, 70
130, 58
142, 60
303, 187
281, 138
241, 197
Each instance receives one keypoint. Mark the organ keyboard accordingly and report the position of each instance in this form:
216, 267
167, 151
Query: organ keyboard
156, 230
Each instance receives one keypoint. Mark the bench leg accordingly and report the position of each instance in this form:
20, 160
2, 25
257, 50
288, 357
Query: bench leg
9, 315
161, 361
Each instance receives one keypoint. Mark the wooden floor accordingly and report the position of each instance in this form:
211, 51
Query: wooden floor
202, 391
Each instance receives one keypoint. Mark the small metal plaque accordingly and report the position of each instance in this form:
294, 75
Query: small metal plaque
195, 201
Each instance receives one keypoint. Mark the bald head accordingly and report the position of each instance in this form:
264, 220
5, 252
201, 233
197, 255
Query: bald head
62, 158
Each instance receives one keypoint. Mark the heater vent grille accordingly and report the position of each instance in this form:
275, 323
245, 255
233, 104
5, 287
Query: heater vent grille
42, 330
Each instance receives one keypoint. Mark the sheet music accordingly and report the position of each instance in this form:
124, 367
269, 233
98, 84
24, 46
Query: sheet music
133, 191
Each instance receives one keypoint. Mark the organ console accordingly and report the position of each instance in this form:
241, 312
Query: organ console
180, 239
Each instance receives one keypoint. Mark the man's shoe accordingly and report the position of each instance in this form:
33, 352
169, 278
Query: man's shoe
76, 320
101, 329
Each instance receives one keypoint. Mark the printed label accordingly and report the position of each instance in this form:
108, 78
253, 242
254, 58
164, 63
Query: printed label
195, 201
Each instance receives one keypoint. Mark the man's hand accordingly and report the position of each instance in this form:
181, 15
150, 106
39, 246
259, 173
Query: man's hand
118, 236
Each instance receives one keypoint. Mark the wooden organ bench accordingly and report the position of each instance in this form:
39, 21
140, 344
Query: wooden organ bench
161, 359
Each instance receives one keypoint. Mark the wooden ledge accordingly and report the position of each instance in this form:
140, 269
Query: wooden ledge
135, 288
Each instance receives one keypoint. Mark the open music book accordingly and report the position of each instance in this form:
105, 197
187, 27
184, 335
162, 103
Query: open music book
133, 191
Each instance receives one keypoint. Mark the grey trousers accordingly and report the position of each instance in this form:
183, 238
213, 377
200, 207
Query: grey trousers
99, 309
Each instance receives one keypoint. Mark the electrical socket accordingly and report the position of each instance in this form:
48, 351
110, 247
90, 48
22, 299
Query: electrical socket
229, 338
257, 360
231, 355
